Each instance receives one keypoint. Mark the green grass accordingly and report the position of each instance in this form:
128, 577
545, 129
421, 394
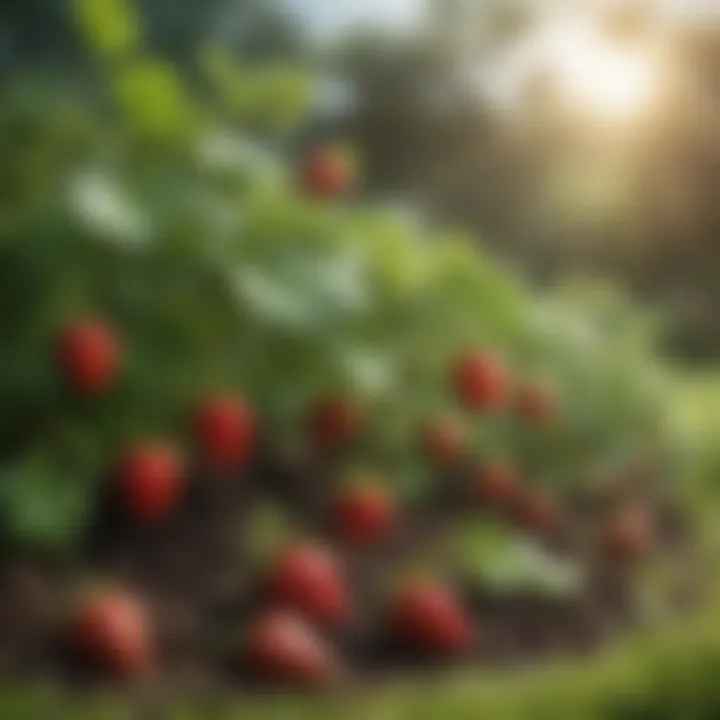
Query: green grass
673, 676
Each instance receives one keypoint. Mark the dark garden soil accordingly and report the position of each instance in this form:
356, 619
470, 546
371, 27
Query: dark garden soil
199, 575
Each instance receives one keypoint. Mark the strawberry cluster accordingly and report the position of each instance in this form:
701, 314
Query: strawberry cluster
307, 591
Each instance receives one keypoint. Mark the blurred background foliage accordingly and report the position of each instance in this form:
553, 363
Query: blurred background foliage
552, 190
452, 123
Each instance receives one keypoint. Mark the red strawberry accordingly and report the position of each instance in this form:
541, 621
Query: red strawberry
307, 578
481, 380
629, 536
537, 512
327, 172
111, 630
427, 617
225, 431
536, 403
149, 481
495, 483
283, 647
363, 514
443, 441
89, 355
333, 421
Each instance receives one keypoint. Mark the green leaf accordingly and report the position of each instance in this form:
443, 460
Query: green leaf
154, 100
44, 505
111, 27
508, 561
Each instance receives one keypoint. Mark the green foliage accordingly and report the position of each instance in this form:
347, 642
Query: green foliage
153, 99
111, 27
511, 563
177, 220
44, 503
274, 95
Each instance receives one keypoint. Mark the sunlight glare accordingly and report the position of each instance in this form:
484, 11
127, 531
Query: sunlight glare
615, 82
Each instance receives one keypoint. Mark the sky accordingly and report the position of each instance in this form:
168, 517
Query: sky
328, 18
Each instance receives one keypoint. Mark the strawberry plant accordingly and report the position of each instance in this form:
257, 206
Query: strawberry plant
173, 272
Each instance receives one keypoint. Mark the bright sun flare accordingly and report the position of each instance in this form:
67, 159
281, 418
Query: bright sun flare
593, 73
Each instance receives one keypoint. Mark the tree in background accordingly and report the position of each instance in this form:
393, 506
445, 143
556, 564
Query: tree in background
557, 195
41, 33
36, 32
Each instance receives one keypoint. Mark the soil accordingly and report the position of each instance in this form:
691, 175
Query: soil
199, 574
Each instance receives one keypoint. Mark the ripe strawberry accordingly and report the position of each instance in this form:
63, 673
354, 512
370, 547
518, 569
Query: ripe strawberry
427, 617
88, 352
307, 578
537, 512
442, 441
327, 172
283, 647
628, 536
111, 630
149, 481
225, 431
364, 514
495, 483
481, 380
536, 403
332, 422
